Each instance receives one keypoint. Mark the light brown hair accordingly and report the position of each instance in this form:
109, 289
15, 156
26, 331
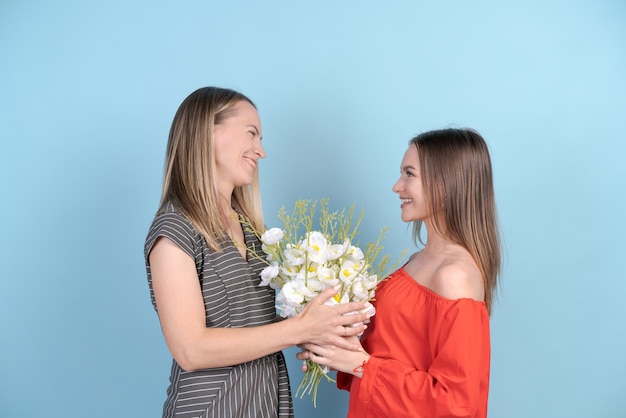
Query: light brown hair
458, 185
188, 182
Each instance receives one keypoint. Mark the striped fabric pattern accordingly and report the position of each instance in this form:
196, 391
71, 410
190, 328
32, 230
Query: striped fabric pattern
232, 298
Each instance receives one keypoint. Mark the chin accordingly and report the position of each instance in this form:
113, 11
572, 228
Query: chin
409, 217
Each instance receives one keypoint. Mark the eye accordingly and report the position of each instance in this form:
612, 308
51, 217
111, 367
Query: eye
253, 131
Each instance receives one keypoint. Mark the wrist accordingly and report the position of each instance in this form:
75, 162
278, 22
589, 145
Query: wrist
358, 370
295, 332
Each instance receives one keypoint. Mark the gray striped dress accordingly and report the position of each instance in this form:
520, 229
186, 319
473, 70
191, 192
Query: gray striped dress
232, 299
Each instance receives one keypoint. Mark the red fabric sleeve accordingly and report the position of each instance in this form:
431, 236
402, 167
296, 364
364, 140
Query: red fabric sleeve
453, 384
344, 380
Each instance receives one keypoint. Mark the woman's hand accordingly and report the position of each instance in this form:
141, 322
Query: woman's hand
328, 325
334, 357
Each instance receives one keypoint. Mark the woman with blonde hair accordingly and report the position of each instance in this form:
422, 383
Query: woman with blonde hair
219, 324
426, 352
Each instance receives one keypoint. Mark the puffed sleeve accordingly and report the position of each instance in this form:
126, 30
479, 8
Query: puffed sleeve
452, 385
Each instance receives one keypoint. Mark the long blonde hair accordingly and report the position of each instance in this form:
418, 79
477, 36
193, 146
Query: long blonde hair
189, 178
458, 186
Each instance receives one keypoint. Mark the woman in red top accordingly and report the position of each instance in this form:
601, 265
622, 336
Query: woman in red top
426, 352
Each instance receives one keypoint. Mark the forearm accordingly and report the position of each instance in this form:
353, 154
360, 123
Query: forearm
220, 347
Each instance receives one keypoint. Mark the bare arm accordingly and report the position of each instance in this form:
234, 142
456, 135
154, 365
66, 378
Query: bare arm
194, 346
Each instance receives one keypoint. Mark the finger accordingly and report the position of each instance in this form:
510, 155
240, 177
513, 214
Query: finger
356, 308
319, 359
353, 320
304, 367
355, 330
348, 343
326, 294
309, 347
344, 308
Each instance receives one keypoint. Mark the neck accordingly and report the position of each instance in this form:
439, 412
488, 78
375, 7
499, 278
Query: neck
225, 208
435, 242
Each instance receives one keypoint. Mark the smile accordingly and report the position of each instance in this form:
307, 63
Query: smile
251, 162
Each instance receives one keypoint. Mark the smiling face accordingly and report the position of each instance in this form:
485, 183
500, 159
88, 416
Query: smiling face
237, 148
410, 188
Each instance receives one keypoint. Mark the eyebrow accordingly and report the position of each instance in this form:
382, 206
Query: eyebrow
408, 167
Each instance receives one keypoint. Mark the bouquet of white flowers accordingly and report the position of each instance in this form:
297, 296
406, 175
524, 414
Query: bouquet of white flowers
302, 262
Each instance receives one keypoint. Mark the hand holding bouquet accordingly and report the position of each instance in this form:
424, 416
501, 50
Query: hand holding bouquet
302, 262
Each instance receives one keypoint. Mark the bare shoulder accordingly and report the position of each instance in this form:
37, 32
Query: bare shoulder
457, 279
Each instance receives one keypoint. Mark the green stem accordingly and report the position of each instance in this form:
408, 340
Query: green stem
311, 380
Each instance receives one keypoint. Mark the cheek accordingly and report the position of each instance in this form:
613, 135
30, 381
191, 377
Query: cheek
225, 150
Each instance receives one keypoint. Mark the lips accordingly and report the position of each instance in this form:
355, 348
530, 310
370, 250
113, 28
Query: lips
251, 162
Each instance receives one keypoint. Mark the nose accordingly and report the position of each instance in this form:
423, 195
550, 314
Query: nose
259, 150
396, 187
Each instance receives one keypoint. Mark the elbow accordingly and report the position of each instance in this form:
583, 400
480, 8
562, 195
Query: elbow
188, 360
187, 365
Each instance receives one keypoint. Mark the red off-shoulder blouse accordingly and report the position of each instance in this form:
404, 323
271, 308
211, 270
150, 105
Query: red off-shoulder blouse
430, 355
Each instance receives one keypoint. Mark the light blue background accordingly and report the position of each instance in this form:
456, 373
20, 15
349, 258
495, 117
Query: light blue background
88, 91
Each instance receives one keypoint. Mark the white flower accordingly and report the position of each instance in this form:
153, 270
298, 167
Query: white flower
269, 273
315, 245
338, 299
295, 292
272, 236
370, 281
328, 276
310, 271
360, 292
284, 309
335, 251
294, 256
289, 269
348, 270
355, 253
315, 285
